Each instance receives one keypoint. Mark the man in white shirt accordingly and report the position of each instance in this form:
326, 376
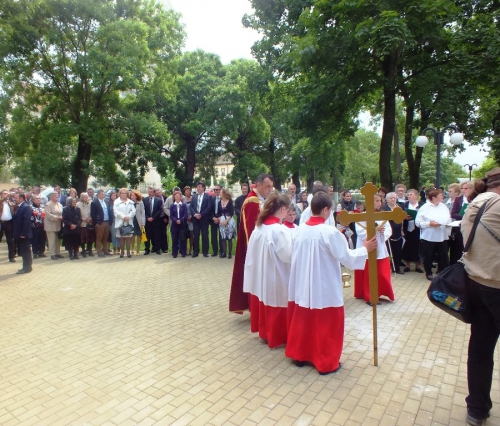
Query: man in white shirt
6, 215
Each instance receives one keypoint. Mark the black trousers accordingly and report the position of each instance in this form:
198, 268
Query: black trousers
397, 253
7, 229
163, 235
215, 237
153, 230
484, 333
38, 241
177, 243
200, 228
25, 253
456, 245
440, 249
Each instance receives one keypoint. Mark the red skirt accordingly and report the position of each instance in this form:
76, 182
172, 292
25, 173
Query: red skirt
362, 281
315, 336
270, 322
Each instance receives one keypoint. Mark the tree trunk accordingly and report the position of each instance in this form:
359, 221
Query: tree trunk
274, 171
495, 143
310, 181
412, 162
397, 156
81, 165
190, 158
296, 181
387, 138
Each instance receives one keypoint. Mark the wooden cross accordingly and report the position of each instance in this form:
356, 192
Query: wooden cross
370, 216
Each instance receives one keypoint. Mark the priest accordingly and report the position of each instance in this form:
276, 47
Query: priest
238, 300
316, 302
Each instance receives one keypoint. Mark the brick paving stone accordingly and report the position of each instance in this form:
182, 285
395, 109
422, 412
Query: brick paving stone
149, 341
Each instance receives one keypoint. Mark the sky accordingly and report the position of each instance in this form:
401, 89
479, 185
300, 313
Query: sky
215, 26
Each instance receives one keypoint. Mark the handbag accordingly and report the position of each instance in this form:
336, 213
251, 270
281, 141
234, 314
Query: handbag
126, 230
144, 237
449, 291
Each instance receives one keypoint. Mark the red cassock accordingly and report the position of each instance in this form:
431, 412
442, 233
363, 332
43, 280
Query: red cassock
267, 273
316, 303
238, 300
362, 281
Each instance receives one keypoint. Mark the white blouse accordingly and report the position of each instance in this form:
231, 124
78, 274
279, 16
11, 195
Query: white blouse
430, 212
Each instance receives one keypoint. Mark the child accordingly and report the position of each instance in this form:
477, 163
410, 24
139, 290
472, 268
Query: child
267, 271
289, 220
360, 207
362, 278
316, 305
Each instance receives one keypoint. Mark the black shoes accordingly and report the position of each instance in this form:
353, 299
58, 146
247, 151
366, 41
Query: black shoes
206, 255
406, 269
12, 260
400, 272
54, 257
214, 255
146, 253
158, 252
229, 256
22, 271
419, 270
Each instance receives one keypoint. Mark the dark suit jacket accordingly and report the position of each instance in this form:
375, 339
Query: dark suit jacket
22, 221
157, 208
212, 212
182, 216
62, 199
206, 208
238, 204
457, 206
396, 227
97, 213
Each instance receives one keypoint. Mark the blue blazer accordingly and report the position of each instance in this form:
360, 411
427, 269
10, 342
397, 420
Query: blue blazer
22, 221
182, 216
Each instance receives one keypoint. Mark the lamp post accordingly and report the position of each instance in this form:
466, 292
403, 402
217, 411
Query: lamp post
456, 138
470, 167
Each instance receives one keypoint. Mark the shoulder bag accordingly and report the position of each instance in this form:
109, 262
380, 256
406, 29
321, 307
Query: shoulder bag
449, 290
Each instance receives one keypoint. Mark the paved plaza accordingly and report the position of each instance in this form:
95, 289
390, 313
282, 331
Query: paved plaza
149, 341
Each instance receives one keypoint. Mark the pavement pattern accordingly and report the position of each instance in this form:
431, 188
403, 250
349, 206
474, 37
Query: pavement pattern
149, 341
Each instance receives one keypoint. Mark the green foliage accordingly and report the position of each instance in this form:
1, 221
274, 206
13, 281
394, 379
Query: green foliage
485, 167
169, 181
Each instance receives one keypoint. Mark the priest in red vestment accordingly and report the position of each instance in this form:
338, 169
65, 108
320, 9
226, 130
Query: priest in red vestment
238, 300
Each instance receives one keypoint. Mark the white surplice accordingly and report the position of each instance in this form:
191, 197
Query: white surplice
307, 213
316, 276
382, 251
267, 264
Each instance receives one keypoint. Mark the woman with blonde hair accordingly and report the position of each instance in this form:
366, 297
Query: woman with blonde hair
124, 211
139, 220
267, 271
87, 233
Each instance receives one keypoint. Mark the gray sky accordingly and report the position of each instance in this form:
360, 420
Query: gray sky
215, 26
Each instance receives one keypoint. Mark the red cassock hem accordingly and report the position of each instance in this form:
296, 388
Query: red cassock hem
362, 281
269, 321
315, 336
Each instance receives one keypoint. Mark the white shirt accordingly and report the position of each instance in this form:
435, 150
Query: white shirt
306, 215
315, 274
430, 212
178, 209
382, 252
6, 214
267, 264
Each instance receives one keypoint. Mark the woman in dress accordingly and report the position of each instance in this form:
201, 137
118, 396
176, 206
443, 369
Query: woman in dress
432, 219
72, 220
411, 248
139, 220
227, 226
124, 211
189, 236
178, 225
87, 233
112, 234
396, 239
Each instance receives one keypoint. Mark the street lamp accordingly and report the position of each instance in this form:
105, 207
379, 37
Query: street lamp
455, 138
470, 166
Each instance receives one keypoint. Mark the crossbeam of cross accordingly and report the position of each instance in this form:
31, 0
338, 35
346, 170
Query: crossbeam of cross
370, 216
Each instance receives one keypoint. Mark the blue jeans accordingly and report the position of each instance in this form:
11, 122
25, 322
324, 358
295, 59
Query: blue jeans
485, 329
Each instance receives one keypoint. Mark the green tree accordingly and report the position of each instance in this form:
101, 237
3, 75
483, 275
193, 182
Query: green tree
66, 65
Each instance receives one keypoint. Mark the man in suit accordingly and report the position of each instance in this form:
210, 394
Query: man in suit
6, 215
401, 195
61, 198
238, 204
214, 220
163, 221
22, 231
152, 210
99, 211
201, 207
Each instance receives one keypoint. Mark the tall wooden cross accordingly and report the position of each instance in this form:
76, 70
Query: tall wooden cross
370, 216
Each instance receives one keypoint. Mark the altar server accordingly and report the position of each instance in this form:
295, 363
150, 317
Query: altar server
362, 278
267, 271
289, 220
316, 302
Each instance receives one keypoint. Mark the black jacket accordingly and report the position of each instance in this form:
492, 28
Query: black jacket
71, 216
21, 222
97, 213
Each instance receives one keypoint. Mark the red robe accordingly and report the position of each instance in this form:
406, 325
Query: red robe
238, 300
362, 281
